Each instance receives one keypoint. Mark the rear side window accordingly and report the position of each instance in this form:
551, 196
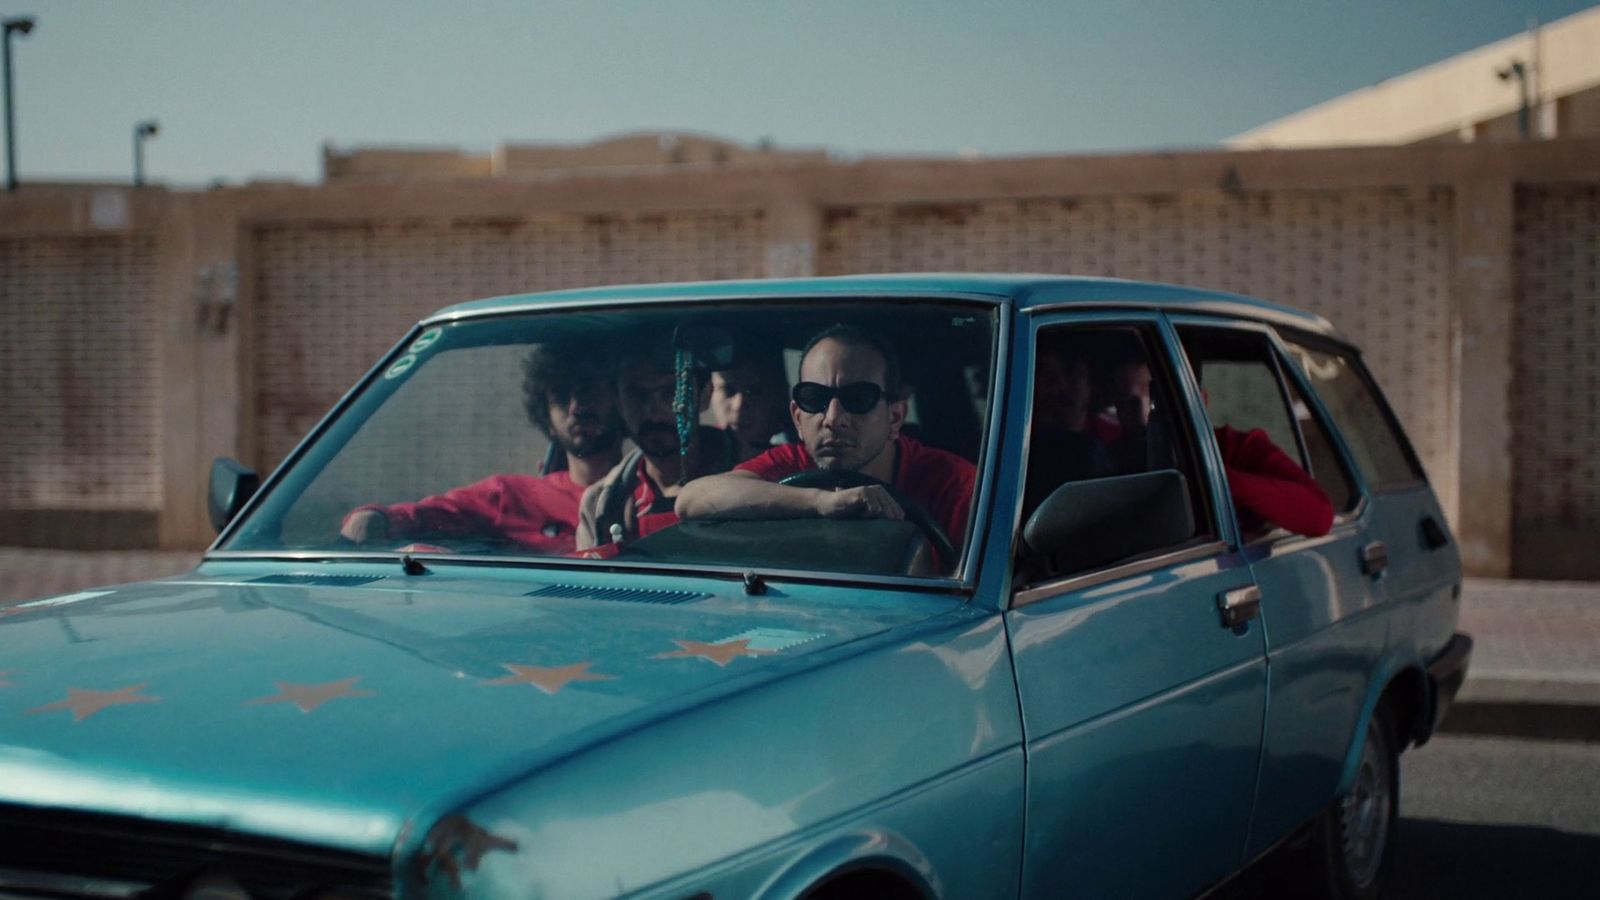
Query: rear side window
1270, 438
1322, 460
1358, 410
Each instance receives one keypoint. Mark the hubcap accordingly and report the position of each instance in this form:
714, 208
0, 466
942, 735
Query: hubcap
1364, 814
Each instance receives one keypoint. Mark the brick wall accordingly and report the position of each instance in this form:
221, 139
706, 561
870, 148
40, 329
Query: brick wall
1376, 262
330, 298
1556, 388
80, 389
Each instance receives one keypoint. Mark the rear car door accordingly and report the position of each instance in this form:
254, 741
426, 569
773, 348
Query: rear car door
1321, 607
1142, 706
1409, 544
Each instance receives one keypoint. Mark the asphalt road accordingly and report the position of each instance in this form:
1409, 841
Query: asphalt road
1500, 818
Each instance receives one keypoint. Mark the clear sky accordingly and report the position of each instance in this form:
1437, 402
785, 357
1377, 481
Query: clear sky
251, 88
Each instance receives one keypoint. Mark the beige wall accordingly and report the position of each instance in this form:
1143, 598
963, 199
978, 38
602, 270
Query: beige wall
1454, 98
261, 305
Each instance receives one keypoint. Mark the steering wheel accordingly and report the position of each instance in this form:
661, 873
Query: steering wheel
829, 479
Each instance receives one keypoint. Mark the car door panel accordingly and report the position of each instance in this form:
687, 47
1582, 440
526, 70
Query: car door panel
1142, 710
1143, 716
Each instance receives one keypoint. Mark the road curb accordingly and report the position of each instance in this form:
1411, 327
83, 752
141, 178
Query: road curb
1544, 708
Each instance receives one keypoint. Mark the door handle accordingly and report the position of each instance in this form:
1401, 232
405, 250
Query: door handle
1374, 558
1239, 605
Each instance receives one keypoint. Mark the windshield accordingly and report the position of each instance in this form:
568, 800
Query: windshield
795, 436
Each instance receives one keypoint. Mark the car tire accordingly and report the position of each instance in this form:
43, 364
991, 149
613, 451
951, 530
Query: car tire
1352, 842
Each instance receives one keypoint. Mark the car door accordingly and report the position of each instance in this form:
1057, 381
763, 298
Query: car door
1142, 706
1410, 545
1321, 611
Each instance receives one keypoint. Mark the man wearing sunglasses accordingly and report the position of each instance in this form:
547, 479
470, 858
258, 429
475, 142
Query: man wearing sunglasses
848, 409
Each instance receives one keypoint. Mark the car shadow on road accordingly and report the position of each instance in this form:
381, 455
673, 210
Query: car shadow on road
1459, 860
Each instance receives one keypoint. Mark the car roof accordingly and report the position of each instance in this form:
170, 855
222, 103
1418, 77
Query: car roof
1025, 292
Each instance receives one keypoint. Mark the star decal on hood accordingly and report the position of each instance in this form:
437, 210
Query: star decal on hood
85, 703
310, 696
721, 652
549, 678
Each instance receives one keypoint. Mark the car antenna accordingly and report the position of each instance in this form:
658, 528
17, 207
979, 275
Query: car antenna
412, 565
754, 584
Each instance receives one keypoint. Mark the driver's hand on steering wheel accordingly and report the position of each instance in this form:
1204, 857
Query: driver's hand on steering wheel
867, 502
365, 525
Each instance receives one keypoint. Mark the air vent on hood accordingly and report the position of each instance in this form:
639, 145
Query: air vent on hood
309, 578
621, 595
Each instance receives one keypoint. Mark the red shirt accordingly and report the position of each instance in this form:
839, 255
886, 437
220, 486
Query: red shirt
937, 480
652, 508
1267, 486
536, 512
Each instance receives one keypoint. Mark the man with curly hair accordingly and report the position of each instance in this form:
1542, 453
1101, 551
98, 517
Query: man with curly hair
569, 396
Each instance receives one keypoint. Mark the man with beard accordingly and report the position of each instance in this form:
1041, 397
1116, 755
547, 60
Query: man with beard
637, 497
567, 392
848, 410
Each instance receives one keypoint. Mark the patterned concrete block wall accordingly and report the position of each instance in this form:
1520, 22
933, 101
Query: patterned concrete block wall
80, 380
1377, 262
330, 298
1556, 389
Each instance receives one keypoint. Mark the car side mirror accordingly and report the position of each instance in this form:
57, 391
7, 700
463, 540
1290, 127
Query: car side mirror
1086, 524
232, 486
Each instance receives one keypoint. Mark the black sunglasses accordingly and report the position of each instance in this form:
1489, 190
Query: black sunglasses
856, 398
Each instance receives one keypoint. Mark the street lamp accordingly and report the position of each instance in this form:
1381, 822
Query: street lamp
1520, 72
19, 25
142, 131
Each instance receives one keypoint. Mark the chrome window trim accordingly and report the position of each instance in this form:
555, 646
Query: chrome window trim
1073, 583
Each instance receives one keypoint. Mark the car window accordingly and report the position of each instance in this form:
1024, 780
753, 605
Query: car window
1324, 461
448, 450
1271, 460
1105, 415
1359, 412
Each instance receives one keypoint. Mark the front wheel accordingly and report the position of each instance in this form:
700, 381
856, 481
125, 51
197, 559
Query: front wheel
1354, 839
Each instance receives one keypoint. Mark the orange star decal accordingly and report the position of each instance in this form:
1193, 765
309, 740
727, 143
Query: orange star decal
549, 678
85, 703
720, 653
310, 696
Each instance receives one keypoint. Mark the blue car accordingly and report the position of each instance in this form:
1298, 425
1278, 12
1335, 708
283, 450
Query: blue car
895, 586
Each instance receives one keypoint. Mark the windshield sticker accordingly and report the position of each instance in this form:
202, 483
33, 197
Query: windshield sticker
426, 339
719, 652
548, 678
310, 696
401, 366
773, 640
85, 703
49, 602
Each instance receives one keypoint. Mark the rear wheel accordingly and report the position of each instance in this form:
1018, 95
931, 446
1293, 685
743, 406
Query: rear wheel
1354, 839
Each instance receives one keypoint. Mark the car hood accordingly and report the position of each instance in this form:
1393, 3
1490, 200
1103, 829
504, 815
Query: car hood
311, 706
